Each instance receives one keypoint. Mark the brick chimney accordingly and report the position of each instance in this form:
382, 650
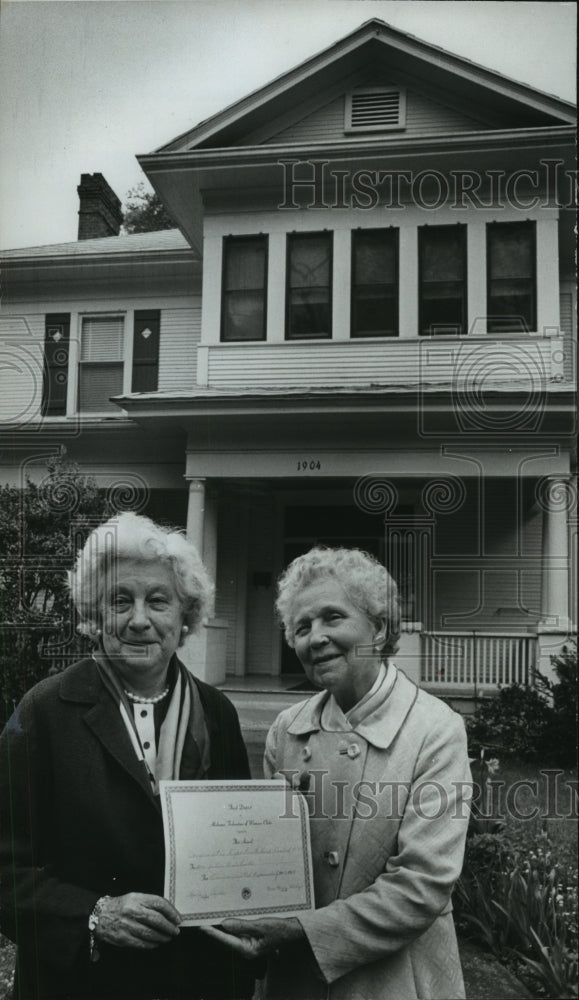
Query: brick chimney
100, 210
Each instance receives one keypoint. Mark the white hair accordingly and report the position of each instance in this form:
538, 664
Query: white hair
132, 536
366, 581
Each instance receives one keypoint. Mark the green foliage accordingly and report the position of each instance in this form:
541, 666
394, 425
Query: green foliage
562, 694
41, 526
145, 212
516, 721
538, 723
521, 902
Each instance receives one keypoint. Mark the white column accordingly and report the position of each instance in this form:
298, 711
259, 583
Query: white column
547, 266
196, 513
276, 288
555, 555
209, 552
341, 285
476, 278
408, 282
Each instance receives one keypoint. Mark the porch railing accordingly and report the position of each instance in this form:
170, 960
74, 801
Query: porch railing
477, 660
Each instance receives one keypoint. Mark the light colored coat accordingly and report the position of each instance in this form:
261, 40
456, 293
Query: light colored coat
388, 820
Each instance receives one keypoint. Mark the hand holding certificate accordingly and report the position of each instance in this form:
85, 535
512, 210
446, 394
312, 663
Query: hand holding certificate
236, 849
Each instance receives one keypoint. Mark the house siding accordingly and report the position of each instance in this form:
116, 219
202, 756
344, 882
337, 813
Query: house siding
21, 367
422, 115
180, 336
498, 587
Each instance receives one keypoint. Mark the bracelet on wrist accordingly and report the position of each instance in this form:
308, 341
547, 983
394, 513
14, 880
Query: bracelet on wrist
93, 922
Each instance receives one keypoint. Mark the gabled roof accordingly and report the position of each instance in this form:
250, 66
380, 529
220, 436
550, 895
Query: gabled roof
377, 41
135, 243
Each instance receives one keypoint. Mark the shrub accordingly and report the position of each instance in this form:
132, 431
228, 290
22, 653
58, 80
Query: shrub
538, 723
38, 525
563, 696
521, 902
517, 721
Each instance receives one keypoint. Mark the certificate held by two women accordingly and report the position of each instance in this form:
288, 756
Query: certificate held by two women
236, 849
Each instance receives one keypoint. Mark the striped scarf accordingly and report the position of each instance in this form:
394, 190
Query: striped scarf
184, 721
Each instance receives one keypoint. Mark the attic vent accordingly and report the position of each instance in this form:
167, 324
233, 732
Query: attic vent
373, 109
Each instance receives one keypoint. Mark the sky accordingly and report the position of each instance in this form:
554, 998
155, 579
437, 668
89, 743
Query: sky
85, 85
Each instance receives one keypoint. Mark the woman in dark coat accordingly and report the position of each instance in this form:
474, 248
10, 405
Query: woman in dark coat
81, 833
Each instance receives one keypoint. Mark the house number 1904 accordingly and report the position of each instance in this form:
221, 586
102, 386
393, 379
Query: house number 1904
309, 465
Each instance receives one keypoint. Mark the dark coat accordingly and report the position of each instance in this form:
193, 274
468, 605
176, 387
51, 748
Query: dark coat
78, 820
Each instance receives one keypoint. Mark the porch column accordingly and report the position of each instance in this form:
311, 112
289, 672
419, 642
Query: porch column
555, 553
196, 513
204, 653
553, 628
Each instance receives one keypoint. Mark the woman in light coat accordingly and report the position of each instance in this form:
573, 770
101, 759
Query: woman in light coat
385, 769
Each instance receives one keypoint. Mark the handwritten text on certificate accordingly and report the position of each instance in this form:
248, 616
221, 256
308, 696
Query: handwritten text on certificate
235, 848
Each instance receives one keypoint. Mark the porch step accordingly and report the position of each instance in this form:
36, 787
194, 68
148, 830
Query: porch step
258, 709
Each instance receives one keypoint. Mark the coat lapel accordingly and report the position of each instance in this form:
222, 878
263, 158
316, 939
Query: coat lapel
83, 686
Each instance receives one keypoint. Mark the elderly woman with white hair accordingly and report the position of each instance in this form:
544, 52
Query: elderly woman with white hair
385, 769
81, 833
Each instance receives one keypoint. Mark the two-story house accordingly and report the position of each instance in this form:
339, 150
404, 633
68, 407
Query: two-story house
362, 334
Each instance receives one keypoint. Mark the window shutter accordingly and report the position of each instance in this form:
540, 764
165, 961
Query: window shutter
56, 350
146, 351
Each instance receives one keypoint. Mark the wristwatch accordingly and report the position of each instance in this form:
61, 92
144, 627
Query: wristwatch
93, 922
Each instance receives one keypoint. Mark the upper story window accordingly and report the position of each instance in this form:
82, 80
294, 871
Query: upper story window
375, 109
511, 277
375, 283
56, 353
309, 286
146, 332
442, 280
243, 308
101, 363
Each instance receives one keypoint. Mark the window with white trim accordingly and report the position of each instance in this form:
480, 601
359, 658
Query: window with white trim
442, 280
375, 109
101, 363
511, 277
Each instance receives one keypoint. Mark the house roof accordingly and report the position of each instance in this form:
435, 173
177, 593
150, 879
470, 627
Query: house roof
167, 239
377, 40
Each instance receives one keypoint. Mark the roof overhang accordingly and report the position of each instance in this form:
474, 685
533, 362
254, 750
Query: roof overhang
190, 181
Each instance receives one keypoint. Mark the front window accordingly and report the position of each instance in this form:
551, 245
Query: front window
375, 283
309, 291
511, 277
442, 279
101, 363
243, 308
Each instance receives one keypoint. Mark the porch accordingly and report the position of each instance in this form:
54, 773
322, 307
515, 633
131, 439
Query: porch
462, 668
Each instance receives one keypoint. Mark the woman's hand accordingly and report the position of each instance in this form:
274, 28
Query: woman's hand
137, 920
257, 938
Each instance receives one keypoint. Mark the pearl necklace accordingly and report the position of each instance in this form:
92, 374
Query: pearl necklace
138, 699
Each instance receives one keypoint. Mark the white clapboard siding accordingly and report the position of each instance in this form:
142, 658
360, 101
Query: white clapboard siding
21, 361
179, 339
487, 570
385, 362
422, 115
